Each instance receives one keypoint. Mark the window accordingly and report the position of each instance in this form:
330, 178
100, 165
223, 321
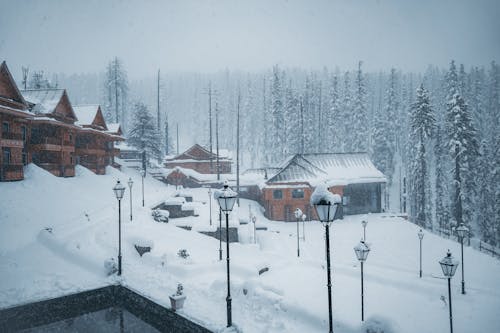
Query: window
298, 193
71, 159
70, 137
23, 131
6, 155
277, 194
25, 157
5, 127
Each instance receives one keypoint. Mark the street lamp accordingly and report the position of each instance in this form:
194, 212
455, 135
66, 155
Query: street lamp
362, 251
298, 215
420, 236
326, 205
462, 231
143, 174
130, 183
449, 266
304, 216
210, 200
220, 234
254, 219
119, 190
226, 199
364, 223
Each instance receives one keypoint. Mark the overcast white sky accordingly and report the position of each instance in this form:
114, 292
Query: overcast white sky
82, 36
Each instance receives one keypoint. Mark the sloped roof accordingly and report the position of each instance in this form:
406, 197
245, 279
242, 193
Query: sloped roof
45, 100
114, 128
9, 89
90, 115
332, 169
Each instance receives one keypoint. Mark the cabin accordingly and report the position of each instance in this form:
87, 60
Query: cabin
351, 175
200, 160
53, 130
94, 145
14, 129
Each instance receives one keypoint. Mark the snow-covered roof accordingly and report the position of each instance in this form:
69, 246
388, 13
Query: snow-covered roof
44, 100
86, 113
332, 169
113, 127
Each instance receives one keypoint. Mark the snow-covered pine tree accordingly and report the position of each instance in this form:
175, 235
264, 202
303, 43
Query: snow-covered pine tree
346, 115
292, 114
422, 125
277, 112
335, 125
359, 113
463, 146
143, 133
116, 93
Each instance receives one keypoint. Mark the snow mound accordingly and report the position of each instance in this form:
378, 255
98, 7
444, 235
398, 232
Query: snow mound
377, 324
321, 194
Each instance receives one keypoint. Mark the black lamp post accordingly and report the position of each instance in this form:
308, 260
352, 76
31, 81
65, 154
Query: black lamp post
326, 206
130, 183
420, 237
364, 223
298, 215
449, 266
462, 232
143, 174
254, 219
226, 199
362, 251
119, 190
304, 216
220, 234
210, 203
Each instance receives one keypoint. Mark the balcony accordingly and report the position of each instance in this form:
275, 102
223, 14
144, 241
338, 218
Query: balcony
11, 172
12, 136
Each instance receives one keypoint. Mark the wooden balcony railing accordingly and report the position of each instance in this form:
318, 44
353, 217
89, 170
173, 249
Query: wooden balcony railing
45, 140
12, 136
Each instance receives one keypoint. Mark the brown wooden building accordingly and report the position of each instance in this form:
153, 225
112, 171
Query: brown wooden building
14, 127
351, 175
53, 131
200, 160
94, 146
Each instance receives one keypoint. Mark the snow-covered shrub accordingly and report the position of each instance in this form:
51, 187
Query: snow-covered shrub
110, 266
377, 324
183, 253
321, 194
160, 215
180, 289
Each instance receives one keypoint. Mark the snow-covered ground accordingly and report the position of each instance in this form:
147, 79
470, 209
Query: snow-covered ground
55, 235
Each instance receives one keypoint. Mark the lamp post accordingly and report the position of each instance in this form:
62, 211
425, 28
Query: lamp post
220, 234
364, 223
119, 190
210, 203
420, 237
130, 183
254, 219
462, 231
304, 216
326, 205
298, 215
362, 251
226, 199
449, 266
143, 174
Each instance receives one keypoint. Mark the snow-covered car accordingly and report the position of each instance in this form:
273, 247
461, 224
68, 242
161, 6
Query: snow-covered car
160, 215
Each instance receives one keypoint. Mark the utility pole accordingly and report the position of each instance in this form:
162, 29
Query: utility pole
116, 89
25, 76
301, 126
177, 138
158, 101
320, 131
210, 123
217, 138
238, 149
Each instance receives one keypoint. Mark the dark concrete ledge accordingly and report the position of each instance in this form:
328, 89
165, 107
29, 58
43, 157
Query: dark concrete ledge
44, 312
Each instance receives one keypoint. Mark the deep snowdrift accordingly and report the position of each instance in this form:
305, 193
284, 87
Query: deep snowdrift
55, 235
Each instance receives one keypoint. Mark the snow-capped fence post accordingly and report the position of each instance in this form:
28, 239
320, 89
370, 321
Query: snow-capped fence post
326, 204
226, 199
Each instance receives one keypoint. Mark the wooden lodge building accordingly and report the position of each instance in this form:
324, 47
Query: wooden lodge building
94, 143
351, 175
41, 126
14, 116
200, 160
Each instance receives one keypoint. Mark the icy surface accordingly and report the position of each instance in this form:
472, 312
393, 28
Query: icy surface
57, 233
